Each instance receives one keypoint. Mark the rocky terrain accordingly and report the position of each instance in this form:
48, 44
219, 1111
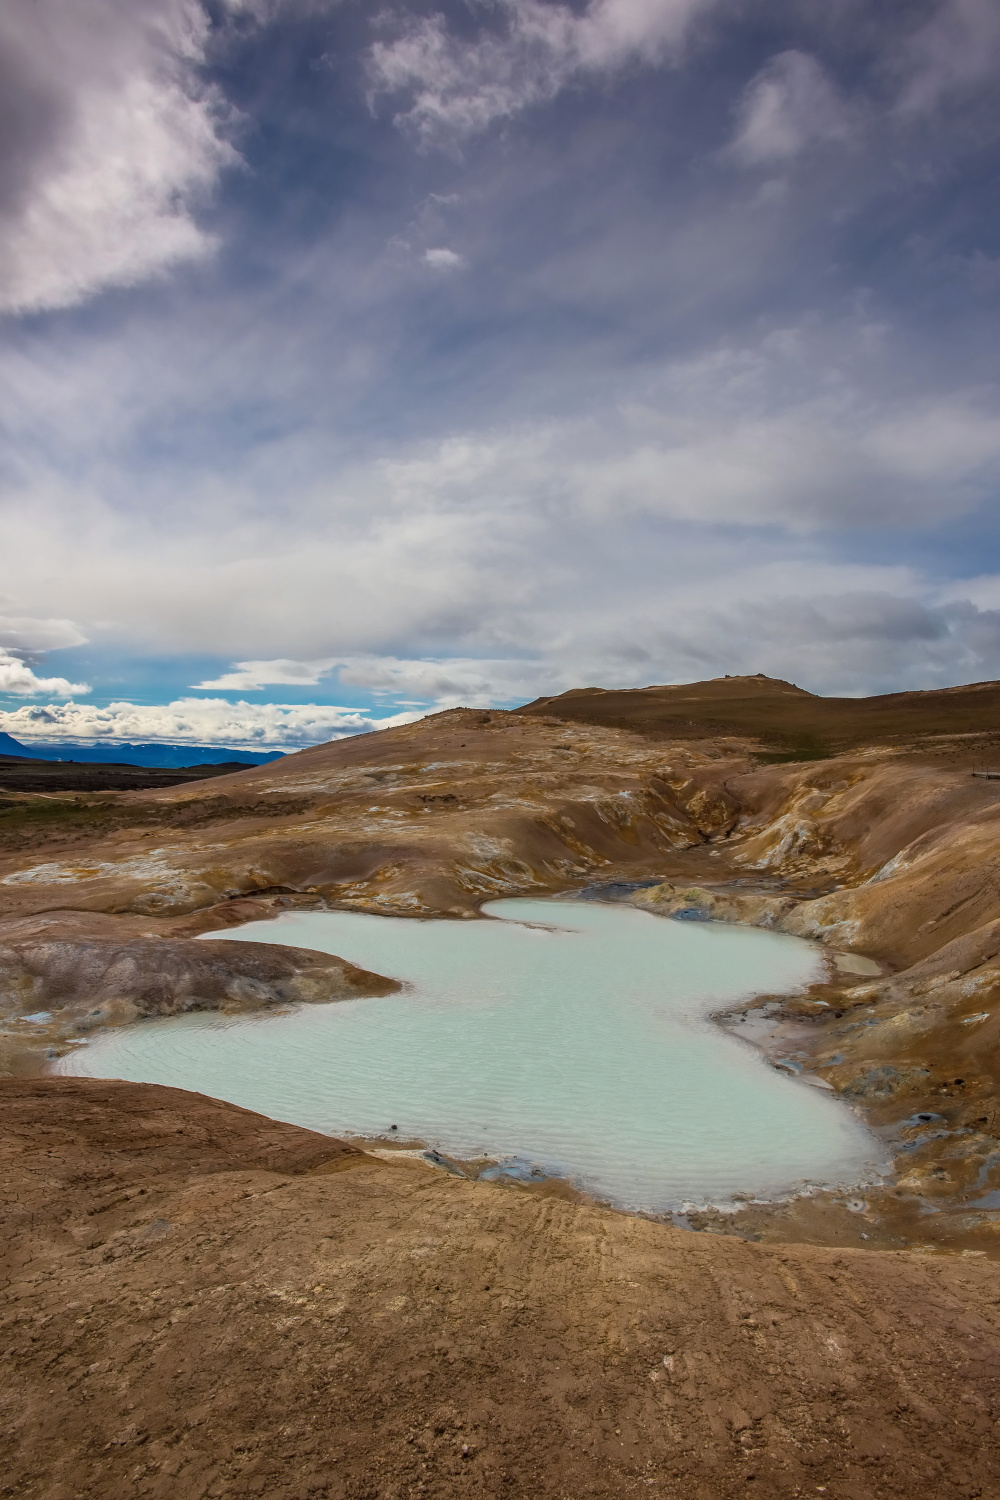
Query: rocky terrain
696, 803
200, 1302
885, 853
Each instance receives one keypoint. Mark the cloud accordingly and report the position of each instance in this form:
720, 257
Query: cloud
832, 629
448, 571
350, 565
196, 721
849, 642
18, 680
789, 106
822, 464
250, 675
450, 682
442, 259
112, 139
444, 681
843, 632
458, 86
653, 396
25, 633
955, 53
810, 627
790, 430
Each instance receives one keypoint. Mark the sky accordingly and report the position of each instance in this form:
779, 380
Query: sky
358, 360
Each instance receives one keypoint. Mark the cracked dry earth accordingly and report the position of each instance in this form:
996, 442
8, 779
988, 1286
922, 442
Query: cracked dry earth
200, 1302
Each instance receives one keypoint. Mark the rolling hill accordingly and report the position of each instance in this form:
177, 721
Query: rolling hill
789, 722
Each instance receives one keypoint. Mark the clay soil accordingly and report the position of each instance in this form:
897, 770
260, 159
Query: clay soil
201, 1302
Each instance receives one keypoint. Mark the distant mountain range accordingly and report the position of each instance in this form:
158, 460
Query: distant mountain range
167, 756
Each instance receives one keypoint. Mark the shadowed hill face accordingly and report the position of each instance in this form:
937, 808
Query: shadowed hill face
784, 718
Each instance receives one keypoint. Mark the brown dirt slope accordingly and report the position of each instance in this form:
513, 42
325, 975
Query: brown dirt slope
433, 817
783, 716
199, 1302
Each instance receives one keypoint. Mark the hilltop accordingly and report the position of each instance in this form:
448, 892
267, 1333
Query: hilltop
787, 720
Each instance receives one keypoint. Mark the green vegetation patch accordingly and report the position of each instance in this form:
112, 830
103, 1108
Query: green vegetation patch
25, 821
39, 814
792, 747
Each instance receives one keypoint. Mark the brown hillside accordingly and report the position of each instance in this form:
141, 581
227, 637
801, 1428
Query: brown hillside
203, 1303
784, 717
377, 1332
886, 853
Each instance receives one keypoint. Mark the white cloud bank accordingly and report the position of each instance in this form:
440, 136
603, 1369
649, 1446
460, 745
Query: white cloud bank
749, 436
19, 681
827, 627
453, 569
196, 721
444, 681
249, 676
115, 141
27, 633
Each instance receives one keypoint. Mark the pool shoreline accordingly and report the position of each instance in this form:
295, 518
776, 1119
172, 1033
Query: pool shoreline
779, 1148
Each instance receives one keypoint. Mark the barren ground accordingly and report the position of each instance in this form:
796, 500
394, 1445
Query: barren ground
201, 1302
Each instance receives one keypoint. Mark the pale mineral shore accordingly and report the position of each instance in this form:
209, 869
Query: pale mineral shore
887, 859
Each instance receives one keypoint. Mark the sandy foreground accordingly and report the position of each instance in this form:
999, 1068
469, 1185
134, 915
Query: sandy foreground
202, 1302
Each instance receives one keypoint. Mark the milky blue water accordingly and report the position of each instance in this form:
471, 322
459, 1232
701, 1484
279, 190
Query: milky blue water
566, 1034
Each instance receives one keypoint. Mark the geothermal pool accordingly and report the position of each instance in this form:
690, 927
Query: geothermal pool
568, 1036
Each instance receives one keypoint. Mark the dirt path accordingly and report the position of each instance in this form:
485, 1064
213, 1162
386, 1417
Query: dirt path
200, 1302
